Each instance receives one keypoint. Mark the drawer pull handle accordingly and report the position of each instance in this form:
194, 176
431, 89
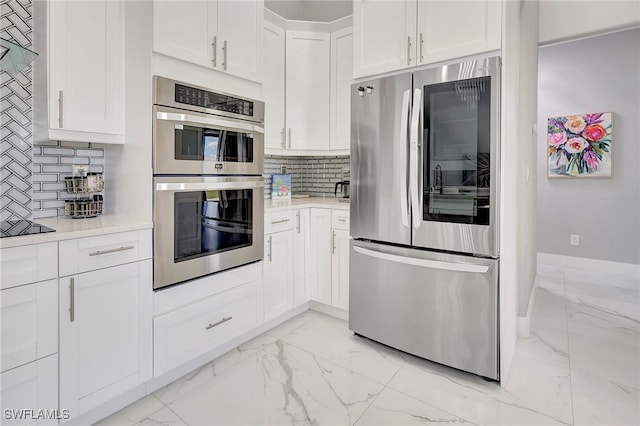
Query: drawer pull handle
273, 222
342, 219
115, 250
215, 324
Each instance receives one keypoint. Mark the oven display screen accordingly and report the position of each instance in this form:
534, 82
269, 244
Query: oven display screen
205, 99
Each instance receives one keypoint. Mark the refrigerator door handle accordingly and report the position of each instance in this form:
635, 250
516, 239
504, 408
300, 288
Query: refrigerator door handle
402, 158
414, 159
424, 263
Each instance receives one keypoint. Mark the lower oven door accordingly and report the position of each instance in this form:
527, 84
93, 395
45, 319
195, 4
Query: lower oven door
204, 225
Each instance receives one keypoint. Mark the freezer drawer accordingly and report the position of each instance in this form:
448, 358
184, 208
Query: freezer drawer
437, 306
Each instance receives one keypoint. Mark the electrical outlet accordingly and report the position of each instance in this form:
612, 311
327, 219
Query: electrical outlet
79, 169
574, 240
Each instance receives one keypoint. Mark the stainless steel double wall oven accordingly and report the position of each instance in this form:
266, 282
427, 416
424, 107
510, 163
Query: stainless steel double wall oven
208, 156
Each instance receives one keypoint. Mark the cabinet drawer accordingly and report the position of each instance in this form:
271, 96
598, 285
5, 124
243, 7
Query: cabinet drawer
198, 328
29, 319
31, 386
28, 264
340, 219
88, 254
278, 221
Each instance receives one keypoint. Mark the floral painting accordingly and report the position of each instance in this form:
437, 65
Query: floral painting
579, 145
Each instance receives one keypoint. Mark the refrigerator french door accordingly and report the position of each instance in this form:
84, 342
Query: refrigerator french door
424, 214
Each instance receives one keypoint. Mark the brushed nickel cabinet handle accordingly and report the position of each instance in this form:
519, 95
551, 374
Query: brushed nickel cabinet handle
270, 248
298, 216
72, 300
421, 48
342, 219
408, 50
283, 144
273, 222
215, 324
333, 243
224, 57
215, 50
60, 109
289, 137
115, 250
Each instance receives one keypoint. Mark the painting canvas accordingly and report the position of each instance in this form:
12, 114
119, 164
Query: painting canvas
281, 186
579, 145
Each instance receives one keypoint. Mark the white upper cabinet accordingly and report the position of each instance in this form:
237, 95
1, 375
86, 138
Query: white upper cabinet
240, 26
307, 90
449, 29
341, 79
222, 35
393, 35
79, 77
384, 36
171, 18
273, 87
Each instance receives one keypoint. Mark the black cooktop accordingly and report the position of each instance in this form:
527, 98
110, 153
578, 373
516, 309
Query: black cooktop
14, 228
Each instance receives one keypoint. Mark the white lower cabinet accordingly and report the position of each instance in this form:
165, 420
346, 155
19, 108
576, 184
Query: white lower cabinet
278, 274
199, 327
301, 258
340, 269
105, 334
320, 255
33, 386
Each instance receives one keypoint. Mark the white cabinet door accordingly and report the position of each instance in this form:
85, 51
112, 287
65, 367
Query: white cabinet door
31, 386
384, 36
341, 79
278, 274
29, 321
273, 87
301, 258
320, 255
105, 334
307, 90
240, 26
340, 269
185, 30
448, 30
85, 80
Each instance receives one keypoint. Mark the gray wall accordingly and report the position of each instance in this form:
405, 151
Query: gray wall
598, 74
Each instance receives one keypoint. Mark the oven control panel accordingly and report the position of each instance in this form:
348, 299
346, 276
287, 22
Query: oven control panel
211, 100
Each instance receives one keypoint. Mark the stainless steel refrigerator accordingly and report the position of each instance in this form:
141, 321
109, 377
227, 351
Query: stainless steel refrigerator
424, 213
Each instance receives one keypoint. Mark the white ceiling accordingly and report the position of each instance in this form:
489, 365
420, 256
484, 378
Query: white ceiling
310, 10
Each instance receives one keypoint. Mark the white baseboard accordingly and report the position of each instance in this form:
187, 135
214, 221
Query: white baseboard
329, 310
628, 270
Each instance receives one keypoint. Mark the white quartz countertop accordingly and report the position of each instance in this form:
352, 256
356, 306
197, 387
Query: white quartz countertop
297, 203
67, 229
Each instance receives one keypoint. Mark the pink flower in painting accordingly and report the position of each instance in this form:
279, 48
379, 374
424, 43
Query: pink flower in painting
576, 145
575, 124
591, 158
594, 132
557, 139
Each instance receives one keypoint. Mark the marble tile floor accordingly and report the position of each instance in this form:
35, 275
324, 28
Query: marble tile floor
580, 366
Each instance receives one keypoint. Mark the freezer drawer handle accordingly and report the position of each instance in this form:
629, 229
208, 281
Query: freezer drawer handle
433, 264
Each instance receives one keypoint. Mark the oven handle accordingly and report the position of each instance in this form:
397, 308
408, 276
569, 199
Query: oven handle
207, 120
204, 186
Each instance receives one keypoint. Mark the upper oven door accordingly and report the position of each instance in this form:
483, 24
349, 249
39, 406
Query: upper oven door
457, 157
205, 225
193, 143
